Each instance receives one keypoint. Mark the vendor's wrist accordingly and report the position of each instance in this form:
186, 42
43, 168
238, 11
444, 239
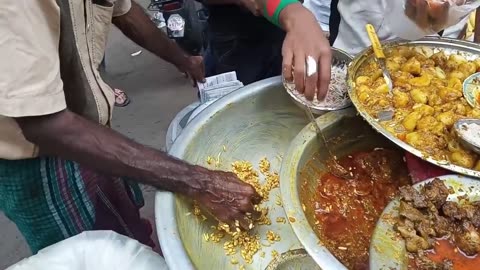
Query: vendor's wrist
292, 14
184, 62
199, 178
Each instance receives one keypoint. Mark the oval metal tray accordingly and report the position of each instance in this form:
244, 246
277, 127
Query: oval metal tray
387, 249
449, 46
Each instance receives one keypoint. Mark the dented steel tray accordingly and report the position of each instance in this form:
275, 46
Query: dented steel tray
449, 46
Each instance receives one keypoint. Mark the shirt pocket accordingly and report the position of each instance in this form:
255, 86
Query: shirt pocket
102, 20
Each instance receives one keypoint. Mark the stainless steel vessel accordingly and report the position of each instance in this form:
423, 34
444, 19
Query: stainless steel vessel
253, 122
346, 133
450, 46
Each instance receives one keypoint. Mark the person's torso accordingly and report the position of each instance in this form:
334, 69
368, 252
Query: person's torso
355, 15
235, 20
352, 36
84, 30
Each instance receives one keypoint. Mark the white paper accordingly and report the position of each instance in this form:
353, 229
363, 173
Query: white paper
218, 86
214, 81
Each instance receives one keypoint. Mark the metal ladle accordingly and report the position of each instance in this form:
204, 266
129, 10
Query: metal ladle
460, 126
334, 167
387, 113
471, 88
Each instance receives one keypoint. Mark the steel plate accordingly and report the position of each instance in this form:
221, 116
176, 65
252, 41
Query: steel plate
468, 49
339, 58
253, 122
387, 249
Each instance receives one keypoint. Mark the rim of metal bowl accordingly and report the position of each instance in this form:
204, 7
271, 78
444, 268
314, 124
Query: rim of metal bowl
291, 198
339, 57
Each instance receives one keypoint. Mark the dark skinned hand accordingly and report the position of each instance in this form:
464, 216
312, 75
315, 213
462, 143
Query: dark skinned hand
229, 199
194, 68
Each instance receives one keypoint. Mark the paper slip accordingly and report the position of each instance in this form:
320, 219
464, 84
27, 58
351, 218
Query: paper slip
217, 80
215, 94
218, 86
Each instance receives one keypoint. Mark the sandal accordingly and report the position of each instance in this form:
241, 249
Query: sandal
121, 99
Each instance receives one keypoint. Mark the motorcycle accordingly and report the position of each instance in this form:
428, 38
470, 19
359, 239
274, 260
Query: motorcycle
182, 22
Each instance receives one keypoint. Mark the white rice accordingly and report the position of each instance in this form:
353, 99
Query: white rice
337, 95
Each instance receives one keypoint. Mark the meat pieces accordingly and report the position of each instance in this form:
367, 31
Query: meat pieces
409, 194
409, 212
443, 226
453, 210
467, 239
436, 192
426, 215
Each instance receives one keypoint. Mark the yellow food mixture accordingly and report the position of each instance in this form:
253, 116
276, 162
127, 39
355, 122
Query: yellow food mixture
246, 243
427, 98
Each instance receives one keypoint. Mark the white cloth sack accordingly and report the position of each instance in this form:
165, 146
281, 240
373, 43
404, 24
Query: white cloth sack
94, 250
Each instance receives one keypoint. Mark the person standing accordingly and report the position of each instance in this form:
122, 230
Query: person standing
62, 169
242, 41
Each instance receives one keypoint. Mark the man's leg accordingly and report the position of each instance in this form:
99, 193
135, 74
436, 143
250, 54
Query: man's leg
50, 199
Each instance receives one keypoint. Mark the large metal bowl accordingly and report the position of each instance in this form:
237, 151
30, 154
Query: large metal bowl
450, 46
253, 122
346, 133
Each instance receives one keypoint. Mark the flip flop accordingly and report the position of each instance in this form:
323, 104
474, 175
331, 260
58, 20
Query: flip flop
121, 99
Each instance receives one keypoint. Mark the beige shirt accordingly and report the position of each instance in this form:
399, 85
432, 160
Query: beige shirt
50, 51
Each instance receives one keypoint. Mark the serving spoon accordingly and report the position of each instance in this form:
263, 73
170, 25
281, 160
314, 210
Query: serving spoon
470, 141
333, 166
471, 88
388, 113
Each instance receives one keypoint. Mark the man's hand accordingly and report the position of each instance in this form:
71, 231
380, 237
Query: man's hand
306, 52
193, 68
228, 199
136, 25
428, 13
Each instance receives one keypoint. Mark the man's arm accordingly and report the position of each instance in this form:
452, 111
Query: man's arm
304, 39
138, 27
70, 136
67, 135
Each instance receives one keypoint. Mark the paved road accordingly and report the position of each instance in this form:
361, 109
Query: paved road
157, 90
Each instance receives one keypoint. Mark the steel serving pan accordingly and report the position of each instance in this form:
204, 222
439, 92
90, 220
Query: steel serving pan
346, 133
449, 46
387, 249
256, 121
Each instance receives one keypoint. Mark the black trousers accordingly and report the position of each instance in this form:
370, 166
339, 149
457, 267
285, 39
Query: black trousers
252, 57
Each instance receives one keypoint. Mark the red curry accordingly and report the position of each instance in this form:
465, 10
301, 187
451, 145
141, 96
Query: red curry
347, 210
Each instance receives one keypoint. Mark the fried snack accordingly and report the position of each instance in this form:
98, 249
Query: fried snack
247, 243
427, 97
